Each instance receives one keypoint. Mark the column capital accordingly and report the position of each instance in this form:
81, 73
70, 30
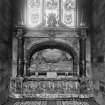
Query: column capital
83, 34
19, 33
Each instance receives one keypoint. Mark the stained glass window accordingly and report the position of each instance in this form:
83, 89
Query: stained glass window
34, 12
69, 12
51, 13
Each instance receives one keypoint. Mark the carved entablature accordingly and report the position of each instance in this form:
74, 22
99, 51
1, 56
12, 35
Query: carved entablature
48, 33
51, 13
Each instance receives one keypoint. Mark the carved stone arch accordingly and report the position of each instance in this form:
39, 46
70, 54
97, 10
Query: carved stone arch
52, 44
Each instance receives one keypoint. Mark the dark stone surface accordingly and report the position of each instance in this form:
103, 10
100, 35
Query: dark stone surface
98, 47
98, 36
5, 48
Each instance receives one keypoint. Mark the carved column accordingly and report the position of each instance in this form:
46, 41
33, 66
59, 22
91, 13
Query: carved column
83, 53
20, 51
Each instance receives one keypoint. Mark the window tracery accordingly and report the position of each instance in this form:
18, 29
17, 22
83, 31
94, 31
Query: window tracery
52, 13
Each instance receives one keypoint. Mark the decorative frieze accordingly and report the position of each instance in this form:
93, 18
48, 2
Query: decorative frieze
50, 87
31, 103
57, 103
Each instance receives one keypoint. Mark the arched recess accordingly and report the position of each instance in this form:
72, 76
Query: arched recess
53, 44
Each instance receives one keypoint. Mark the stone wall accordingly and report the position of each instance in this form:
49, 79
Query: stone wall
98, 49
5, 48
